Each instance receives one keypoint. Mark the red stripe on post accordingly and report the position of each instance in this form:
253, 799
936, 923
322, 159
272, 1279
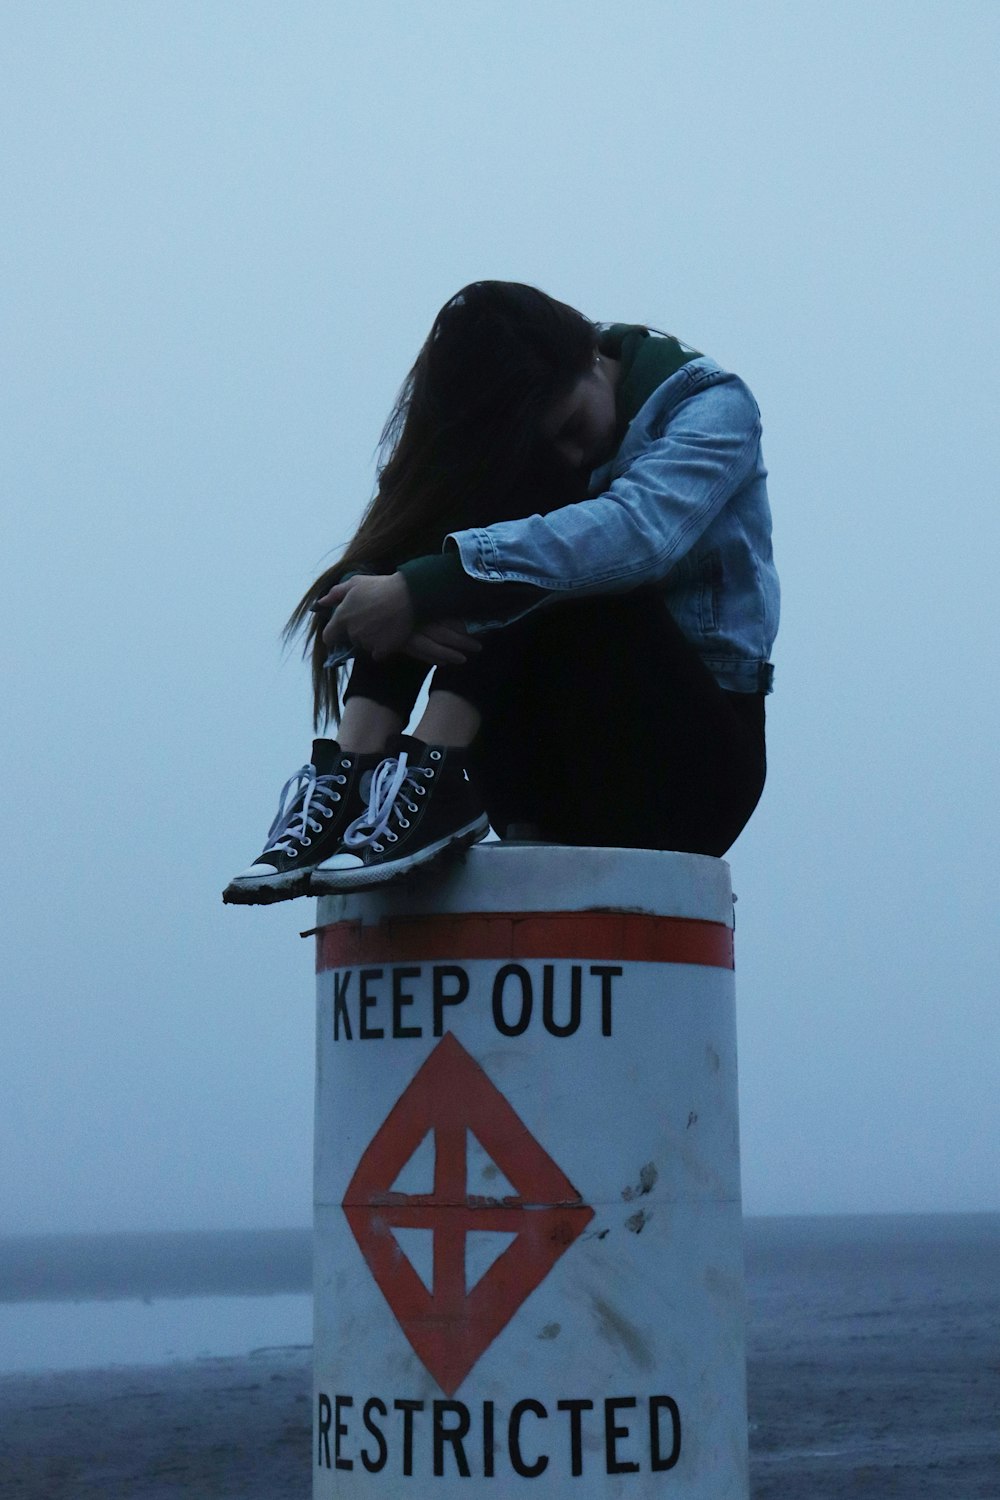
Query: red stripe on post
634, 937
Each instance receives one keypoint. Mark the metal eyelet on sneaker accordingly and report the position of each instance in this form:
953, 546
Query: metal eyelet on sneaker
429, 773
393, 838
347, 766
421, 791
411, 807
292, 853
435, 755
404, 822
378, 848
305, 842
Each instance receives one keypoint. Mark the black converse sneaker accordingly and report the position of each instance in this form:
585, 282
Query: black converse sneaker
421, 803
315, 807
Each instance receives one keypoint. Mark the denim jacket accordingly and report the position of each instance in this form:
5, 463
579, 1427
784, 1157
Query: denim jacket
682, 505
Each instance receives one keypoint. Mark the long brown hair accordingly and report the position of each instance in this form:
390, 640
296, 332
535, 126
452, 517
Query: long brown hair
460, 447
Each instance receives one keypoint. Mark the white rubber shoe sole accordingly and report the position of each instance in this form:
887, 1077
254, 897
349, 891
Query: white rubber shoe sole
249, 889
346, 872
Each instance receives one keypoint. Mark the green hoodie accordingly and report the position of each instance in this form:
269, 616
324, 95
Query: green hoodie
647, 360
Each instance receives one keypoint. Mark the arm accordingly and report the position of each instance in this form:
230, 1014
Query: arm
419, 610
693, 455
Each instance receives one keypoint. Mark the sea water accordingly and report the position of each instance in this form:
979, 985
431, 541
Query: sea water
814, 1284
72, 1302
92, 1335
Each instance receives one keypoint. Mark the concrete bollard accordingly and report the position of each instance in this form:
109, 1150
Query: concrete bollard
528, 1233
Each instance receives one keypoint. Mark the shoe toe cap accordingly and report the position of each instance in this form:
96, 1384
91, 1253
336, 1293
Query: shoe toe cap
257, 871
342, 862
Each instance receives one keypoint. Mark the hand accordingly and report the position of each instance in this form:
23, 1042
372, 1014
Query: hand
373, 612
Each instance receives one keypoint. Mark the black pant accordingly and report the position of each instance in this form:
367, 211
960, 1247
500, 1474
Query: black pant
601, 725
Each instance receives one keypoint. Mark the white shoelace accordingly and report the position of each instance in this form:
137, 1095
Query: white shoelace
292, 820
388, 780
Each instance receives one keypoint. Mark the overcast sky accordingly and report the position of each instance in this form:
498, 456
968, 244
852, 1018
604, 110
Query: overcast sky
228, 228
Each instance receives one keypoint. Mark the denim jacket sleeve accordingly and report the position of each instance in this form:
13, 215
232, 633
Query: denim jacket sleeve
690, 448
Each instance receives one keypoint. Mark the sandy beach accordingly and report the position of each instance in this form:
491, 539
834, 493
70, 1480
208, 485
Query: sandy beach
220, 1428
210, 1429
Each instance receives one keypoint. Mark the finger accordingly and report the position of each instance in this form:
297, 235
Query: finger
333, 597
424, 648
459, 626
333, 633
455, 636
434, 657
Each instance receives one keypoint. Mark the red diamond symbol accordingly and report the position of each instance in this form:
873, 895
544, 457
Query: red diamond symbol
452, 1320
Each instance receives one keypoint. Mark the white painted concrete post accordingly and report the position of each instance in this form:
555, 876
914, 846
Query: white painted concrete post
528, 1237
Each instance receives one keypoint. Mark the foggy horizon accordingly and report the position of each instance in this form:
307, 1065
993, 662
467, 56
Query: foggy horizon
230, 232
